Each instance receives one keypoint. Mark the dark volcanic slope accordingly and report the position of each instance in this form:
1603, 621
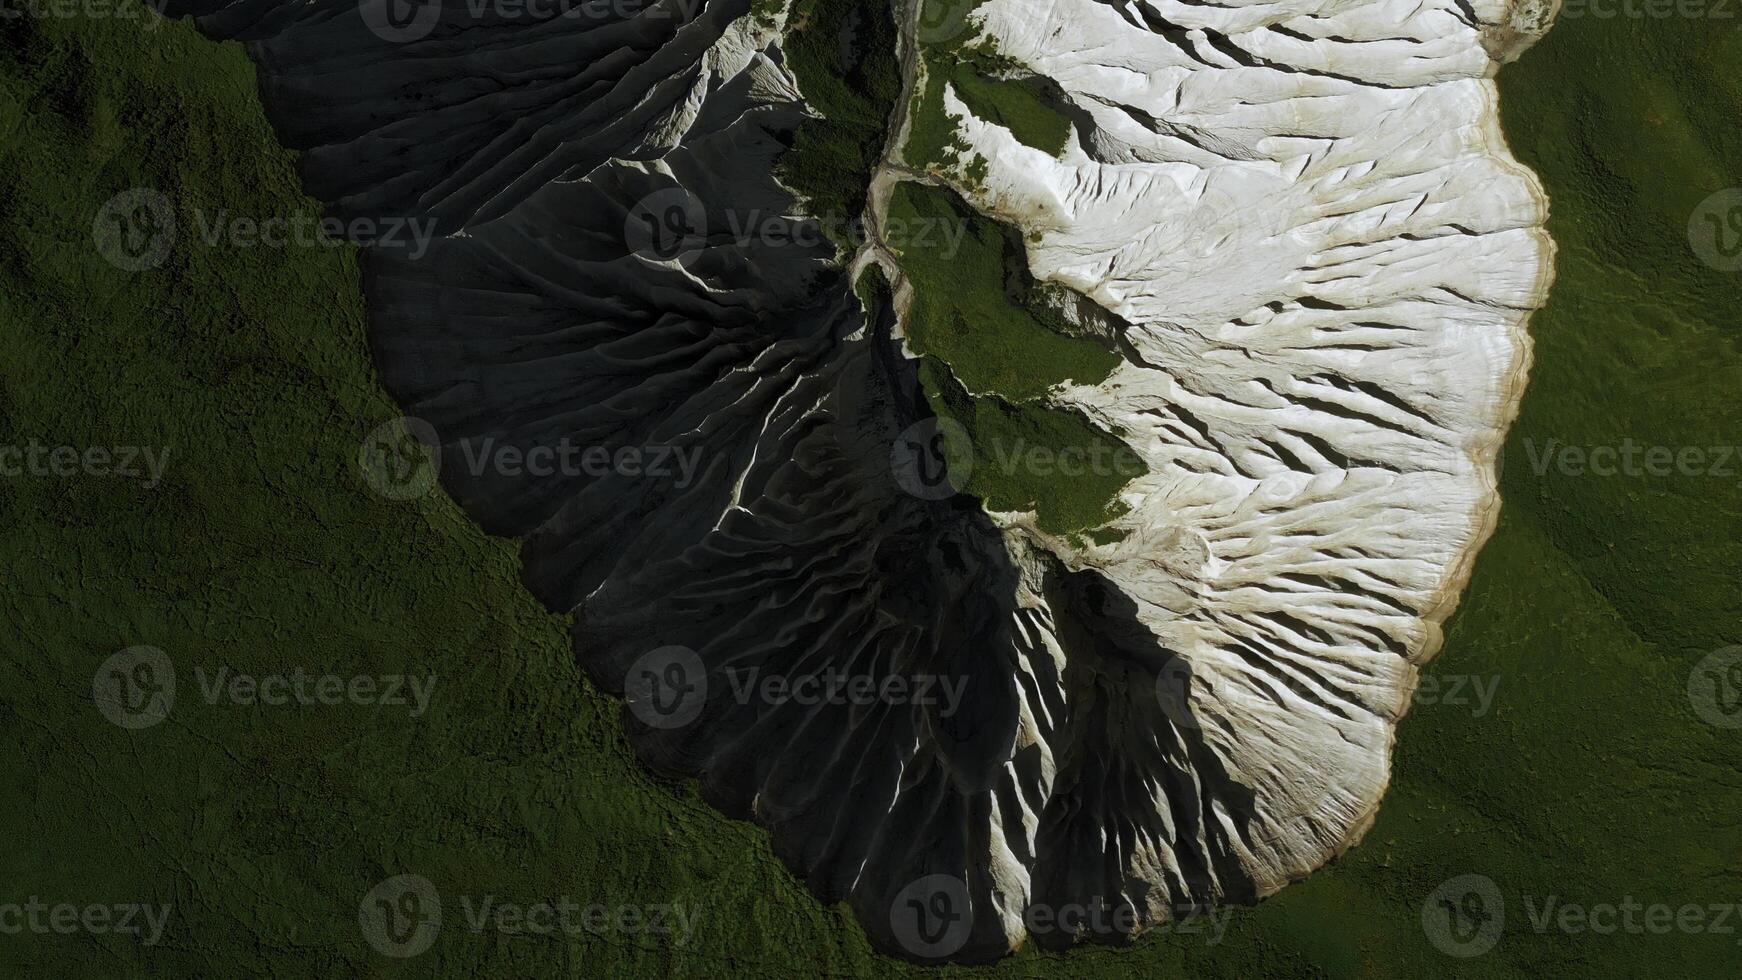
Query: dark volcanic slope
546, 314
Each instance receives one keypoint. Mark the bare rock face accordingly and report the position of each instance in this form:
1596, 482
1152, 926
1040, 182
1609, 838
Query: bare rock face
1317, 254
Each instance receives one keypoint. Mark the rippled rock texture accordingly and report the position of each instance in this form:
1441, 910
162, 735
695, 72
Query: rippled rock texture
1295, 223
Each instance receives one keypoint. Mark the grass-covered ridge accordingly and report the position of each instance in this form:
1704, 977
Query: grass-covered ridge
972, 320
968, 272
1023, 456
1017, 103
992, 86
1031, 458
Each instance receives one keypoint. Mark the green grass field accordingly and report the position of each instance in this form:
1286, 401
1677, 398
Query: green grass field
1591, 779
991, 356
991, 85
1017, 105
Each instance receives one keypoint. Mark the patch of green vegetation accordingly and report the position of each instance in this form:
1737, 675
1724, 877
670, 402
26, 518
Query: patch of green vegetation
969, 317
977, 313
872, 288
1028, 457
1017, 104
965, 270
843, 54
961, 265
934, 139
991, 85
1024, 456
767, 12
1107, 535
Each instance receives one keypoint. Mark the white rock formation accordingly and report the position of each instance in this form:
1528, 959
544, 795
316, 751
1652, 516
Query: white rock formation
1326, 255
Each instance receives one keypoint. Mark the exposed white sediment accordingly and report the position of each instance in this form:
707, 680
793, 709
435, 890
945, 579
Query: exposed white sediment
1325, 256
